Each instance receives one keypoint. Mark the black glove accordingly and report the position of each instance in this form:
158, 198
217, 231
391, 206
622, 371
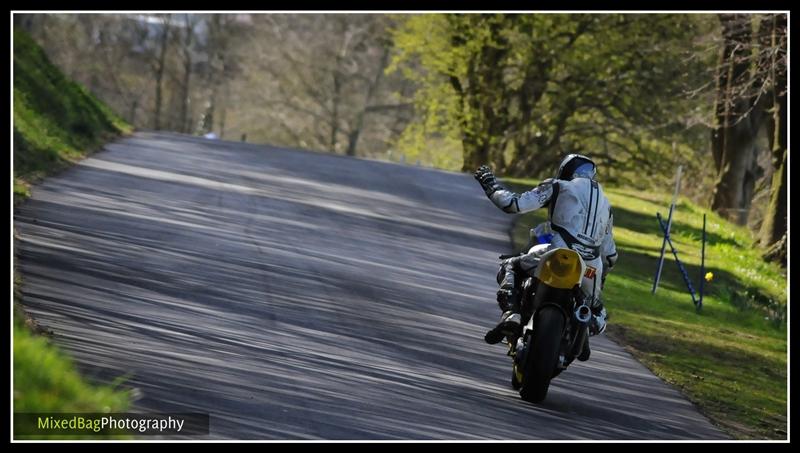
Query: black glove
487, 180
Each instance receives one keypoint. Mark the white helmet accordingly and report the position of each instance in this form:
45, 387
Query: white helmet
576, 166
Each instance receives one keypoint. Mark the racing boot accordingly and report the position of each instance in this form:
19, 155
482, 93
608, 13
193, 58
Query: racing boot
597, 324
511, 321
509, 326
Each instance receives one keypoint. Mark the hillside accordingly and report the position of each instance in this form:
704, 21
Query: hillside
56, 121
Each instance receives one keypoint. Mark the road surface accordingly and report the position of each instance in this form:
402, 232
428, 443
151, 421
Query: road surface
299, 295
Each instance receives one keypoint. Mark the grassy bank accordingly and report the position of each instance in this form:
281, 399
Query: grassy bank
730, 359
46, 380
56, 122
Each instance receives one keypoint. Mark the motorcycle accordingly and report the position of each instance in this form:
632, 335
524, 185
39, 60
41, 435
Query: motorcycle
555, 314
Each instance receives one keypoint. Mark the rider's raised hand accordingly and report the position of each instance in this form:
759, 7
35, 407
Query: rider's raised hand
487, 179
481, 172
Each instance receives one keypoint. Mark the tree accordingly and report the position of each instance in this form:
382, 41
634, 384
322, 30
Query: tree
322, 82
458, 63
774, 39
522, 90
159, 65
187, 42
224, 48
738, 119
106, 53
372, 88
313, 81
750, 93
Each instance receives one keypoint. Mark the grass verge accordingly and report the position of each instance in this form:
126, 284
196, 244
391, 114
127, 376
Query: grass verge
730, 359
47, 381
56, 122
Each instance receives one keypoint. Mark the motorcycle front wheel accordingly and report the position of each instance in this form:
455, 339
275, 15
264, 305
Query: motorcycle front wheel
542, 356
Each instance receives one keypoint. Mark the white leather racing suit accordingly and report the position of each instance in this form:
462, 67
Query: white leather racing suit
580, 218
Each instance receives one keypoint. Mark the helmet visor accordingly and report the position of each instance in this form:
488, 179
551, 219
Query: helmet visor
584, 170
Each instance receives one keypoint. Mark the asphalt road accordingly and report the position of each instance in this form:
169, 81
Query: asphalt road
297, 295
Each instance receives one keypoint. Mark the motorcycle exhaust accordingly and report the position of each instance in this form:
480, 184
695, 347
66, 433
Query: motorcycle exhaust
583, 314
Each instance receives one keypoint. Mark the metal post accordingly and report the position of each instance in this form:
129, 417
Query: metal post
678, 262
702, 266
669, 225
663, 249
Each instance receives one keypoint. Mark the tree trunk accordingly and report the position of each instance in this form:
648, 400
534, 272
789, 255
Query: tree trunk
544, 162
207, 123
475, 155
736, 178
474, 138
160, 73
222, 111
528, 96
185, 120
187, 74
373, 87
185, 99
484, 99
738, 121
132, 114
775, 218
337, 88
495, 104
778, 251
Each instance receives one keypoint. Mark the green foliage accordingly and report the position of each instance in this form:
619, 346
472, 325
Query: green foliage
55, 120
731, 358
414, 143
522, 90
433, 98
45, 380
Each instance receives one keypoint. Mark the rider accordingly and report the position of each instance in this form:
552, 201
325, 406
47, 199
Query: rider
580, 218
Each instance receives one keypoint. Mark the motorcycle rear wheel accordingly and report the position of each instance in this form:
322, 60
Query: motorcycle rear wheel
542, 356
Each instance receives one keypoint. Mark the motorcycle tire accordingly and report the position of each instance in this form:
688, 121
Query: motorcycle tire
542, 358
